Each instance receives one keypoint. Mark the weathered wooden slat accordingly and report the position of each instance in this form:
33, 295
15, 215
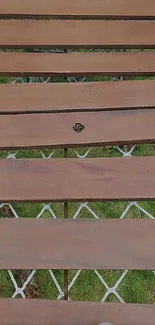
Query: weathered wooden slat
133, 9
64, 97
38, 312
77, 180
77, 129
77, 64
76, 34
77, 244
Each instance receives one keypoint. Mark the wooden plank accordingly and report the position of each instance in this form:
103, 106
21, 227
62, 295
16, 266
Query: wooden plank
113, 9
77, 244
77, 64
76, 34
77, 180
65, 97
48, 312
63, 130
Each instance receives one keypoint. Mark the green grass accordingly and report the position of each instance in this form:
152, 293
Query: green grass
6, 287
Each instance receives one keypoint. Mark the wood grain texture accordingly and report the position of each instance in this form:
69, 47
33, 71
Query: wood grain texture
38, 312
133, 9
57, 130
77, 244
66, 97
76, 34
77, 180
77, 64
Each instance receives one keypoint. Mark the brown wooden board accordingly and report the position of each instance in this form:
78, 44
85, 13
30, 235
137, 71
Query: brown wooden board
38, 312
134, 9
76, 34
77, 64
63, 130
77, 180
65, 97
77, 244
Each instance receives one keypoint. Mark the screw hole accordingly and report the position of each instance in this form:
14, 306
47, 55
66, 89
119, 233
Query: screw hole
78, 127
